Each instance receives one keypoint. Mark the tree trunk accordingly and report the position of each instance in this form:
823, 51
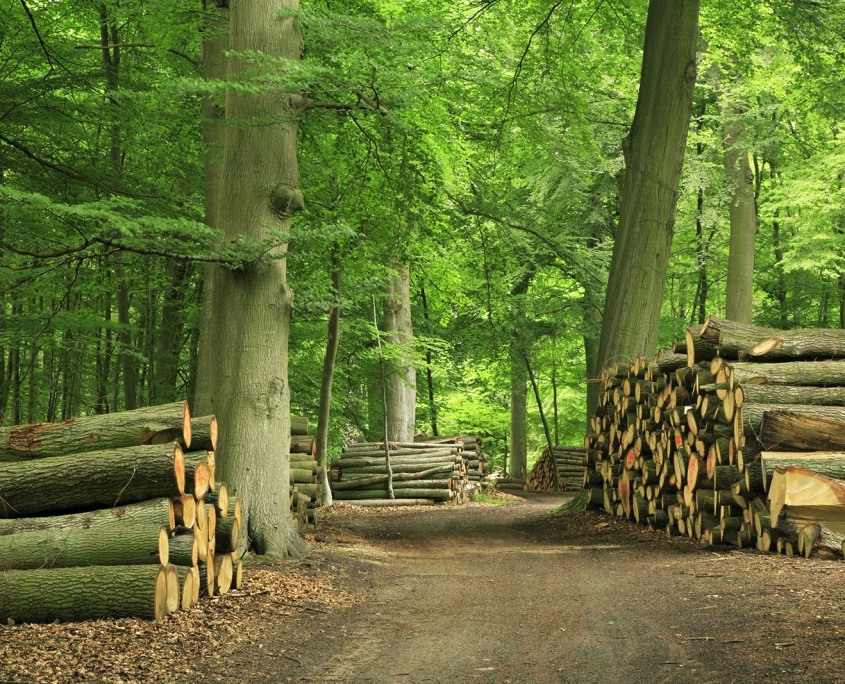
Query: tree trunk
400, 374
429, 378
743, 219
165, 367
654, 153
324, 410
250, 319
519, 404
812, 373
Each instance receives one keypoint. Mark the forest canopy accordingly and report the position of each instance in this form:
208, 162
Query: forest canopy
469, 154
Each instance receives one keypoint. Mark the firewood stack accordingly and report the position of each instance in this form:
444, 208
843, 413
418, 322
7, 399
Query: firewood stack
304, 487
693, 441
417, 472
570, 462
114, 515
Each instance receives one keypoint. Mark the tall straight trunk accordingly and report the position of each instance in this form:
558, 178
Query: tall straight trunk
429, 378
215, 40
110, 50
324, 411
165, 366
400, 374
701, 244
519, 405
654, 154
248, 329
743, 217
104, 351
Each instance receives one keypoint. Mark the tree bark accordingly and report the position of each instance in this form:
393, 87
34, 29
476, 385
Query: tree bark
324, 410
89, 481
401, 378
250, 351
654, 154
784, 429
519, 405
68, 594
811, 373
95, 433
123, 544
743, 219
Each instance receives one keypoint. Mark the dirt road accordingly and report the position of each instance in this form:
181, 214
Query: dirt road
512, 594
478, 593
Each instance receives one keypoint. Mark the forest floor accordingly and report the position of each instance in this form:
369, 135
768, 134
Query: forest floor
486, 593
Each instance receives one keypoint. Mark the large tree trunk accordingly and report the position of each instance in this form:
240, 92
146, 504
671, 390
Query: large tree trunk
654, 154
251, 305
400, 374
743, 218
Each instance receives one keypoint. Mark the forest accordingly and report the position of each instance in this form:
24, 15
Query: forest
442, 208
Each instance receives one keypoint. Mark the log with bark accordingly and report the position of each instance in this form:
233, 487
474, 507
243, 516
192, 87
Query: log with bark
96, 433
91, 480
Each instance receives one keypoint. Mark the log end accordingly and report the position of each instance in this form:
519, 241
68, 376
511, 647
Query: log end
764, 347
186, 425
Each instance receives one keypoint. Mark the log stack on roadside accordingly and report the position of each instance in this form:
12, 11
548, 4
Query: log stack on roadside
305, 490
106, 516
570, 462
475, 460
735, 436
413, 472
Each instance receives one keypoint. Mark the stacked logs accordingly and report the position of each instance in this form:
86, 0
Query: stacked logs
305, 490
404, 473
687, 442
475, 460
106, 516
570, 462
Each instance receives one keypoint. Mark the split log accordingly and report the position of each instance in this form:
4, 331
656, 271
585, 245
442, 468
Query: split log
827, 463
92, 480
227, 534
222, 573
95, 433
810, 497
189, 580
121, 543
86, 593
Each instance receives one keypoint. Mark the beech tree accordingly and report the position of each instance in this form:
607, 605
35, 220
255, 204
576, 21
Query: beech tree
250, 306
654, 153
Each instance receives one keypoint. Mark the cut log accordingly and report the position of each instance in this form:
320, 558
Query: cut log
828, 463
810, 497
189, 579
814, 373
298, 425
95, 433
227, 534
219, 498
753, 415
222, 573
393, 502
93, 480
184, 510
811, 343
733, 339
121, 543
788, 430
793, 394
88, 593
154, 512
184, 549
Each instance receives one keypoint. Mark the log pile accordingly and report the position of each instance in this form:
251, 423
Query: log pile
735, 436
404, 473
115, 515
304, 486
570, 462
475, 460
